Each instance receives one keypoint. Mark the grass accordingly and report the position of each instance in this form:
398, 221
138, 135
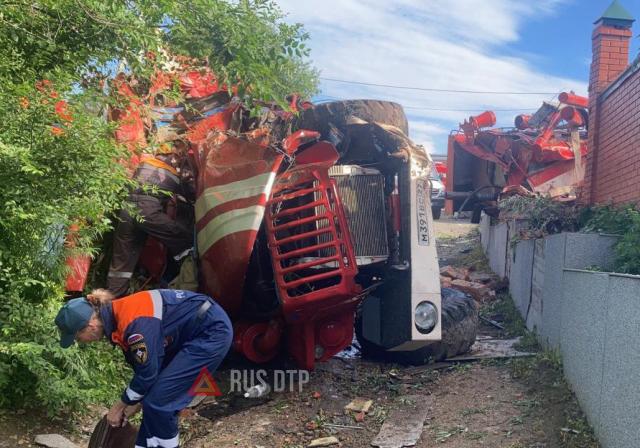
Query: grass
473, 411
544, 371
443, 434
475, 260
504, 310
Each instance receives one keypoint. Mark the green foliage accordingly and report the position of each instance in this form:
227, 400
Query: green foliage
544, 215
52, 178
49, 181
623, 220
246, 41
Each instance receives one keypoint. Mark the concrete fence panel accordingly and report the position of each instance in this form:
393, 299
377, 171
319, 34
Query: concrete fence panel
593, 317
584, 307
497, 252
620, 410
520, 274
584, 250
533, 318
549, 328
485, 232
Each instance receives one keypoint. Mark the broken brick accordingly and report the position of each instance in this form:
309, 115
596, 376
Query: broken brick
455, 273
478, 291
324, 441
445, 282
359, 405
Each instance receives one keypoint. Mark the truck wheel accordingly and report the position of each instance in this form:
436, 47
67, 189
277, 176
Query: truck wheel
459, 329
436, 212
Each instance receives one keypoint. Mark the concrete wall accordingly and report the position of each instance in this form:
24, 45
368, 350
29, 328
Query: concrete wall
592, 318
497, 248
600, 326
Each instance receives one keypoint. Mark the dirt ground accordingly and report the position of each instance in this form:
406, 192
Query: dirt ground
511, 404
521, 403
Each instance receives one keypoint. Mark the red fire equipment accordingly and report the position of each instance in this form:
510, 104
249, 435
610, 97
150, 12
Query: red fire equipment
543, 154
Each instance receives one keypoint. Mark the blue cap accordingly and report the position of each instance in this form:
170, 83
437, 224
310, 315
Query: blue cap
73, 317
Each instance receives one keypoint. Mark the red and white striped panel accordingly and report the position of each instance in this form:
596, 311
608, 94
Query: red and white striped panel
235, 178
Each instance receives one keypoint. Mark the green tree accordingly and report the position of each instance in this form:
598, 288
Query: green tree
58, 164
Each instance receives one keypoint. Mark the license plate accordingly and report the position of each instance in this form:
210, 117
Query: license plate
422, 189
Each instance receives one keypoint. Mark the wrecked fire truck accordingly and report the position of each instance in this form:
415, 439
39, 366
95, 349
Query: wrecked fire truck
543, 154
309, 222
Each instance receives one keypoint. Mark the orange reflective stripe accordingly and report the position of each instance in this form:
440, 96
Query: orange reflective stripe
159, 164
129, 308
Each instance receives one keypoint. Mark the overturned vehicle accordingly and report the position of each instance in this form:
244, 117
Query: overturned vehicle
309, 224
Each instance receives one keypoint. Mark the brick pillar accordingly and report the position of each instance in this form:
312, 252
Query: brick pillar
610, 57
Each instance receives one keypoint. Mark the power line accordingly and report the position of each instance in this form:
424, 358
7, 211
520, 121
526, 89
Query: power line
427, 89
327, 99
470, 110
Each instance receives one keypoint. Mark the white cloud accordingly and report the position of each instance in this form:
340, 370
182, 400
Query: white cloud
443, 44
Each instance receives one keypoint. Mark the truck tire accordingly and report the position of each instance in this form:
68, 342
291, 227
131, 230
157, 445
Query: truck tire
436, 212
459, 329
320, 116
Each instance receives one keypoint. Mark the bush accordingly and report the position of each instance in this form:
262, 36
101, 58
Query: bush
543, 214
47, 182
60, 166
623, 220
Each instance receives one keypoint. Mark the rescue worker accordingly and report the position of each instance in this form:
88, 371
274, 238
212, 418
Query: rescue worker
158, 180
167, 336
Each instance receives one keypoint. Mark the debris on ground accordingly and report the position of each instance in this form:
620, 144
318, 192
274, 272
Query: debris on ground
359, 405
454, 273
482, 277
404, 426
498, 325
490, 348
480, 292
477, 284
445, 282
54, 441
324, 441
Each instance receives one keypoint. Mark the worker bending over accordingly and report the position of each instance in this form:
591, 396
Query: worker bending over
167, 336
158, 178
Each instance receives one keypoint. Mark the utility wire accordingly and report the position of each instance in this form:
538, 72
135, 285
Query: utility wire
470, 110
427, 89
327, 99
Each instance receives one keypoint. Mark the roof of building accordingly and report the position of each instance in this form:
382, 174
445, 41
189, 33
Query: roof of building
616, 12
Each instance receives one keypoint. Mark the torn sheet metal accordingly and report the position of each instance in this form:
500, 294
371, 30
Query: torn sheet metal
486, 348
404, 426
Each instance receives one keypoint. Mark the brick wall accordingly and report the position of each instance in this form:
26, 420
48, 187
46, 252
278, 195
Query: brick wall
612, 171
616, 176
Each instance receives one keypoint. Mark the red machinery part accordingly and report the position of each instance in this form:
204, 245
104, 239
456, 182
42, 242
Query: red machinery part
78, 264
313, 257
77, 278
258, 342
572, 116
572, 99
318, 341
522, 121
486, 119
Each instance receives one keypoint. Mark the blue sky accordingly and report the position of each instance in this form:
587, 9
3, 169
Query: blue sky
486, 45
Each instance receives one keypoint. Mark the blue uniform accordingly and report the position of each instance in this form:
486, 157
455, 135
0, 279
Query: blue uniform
168, 337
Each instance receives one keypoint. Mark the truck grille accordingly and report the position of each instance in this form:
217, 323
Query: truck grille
362, 197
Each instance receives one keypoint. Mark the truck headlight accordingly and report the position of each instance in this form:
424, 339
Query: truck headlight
426, 317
